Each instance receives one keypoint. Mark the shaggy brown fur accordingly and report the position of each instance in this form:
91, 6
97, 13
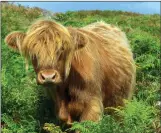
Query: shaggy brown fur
95, 65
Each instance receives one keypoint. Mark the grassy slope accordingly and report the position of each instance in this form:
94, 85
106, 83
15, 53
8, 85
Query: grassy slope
21, 96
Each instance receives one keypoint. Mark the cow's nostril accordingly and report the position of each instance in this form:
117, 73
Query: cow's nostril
43, 77
54, 75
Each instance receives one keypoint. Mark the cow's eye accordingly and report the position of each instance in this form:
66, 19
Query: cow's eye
62, 49
60, 56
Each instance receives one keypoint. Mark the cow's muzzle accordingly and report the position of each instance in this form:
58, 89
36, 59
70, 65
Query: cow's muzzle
47, 76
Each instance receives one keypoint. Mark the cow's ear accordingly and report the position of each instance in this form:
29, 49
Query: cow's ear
78, 37
15, 39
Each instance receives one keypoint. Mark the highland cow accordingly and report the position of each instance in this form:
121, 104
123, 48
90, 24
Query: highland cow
83, 69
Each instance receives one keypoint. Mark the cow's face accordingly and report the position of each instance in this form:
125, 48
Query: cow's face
50, 47
50, 71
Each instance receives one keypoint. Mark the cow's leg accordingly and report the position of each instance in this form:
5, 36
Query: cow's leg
59, 101
93, 110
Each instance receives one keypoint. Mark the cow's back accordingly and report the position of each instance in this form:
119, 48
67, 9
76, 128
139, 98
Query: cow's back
108, 32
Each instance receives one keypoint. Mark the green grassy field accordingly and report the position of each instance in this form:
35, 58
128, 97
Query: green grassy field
22, 99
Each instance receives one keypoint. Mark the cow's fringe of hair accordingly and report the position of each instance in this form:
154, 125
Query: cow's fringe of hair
46, 40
